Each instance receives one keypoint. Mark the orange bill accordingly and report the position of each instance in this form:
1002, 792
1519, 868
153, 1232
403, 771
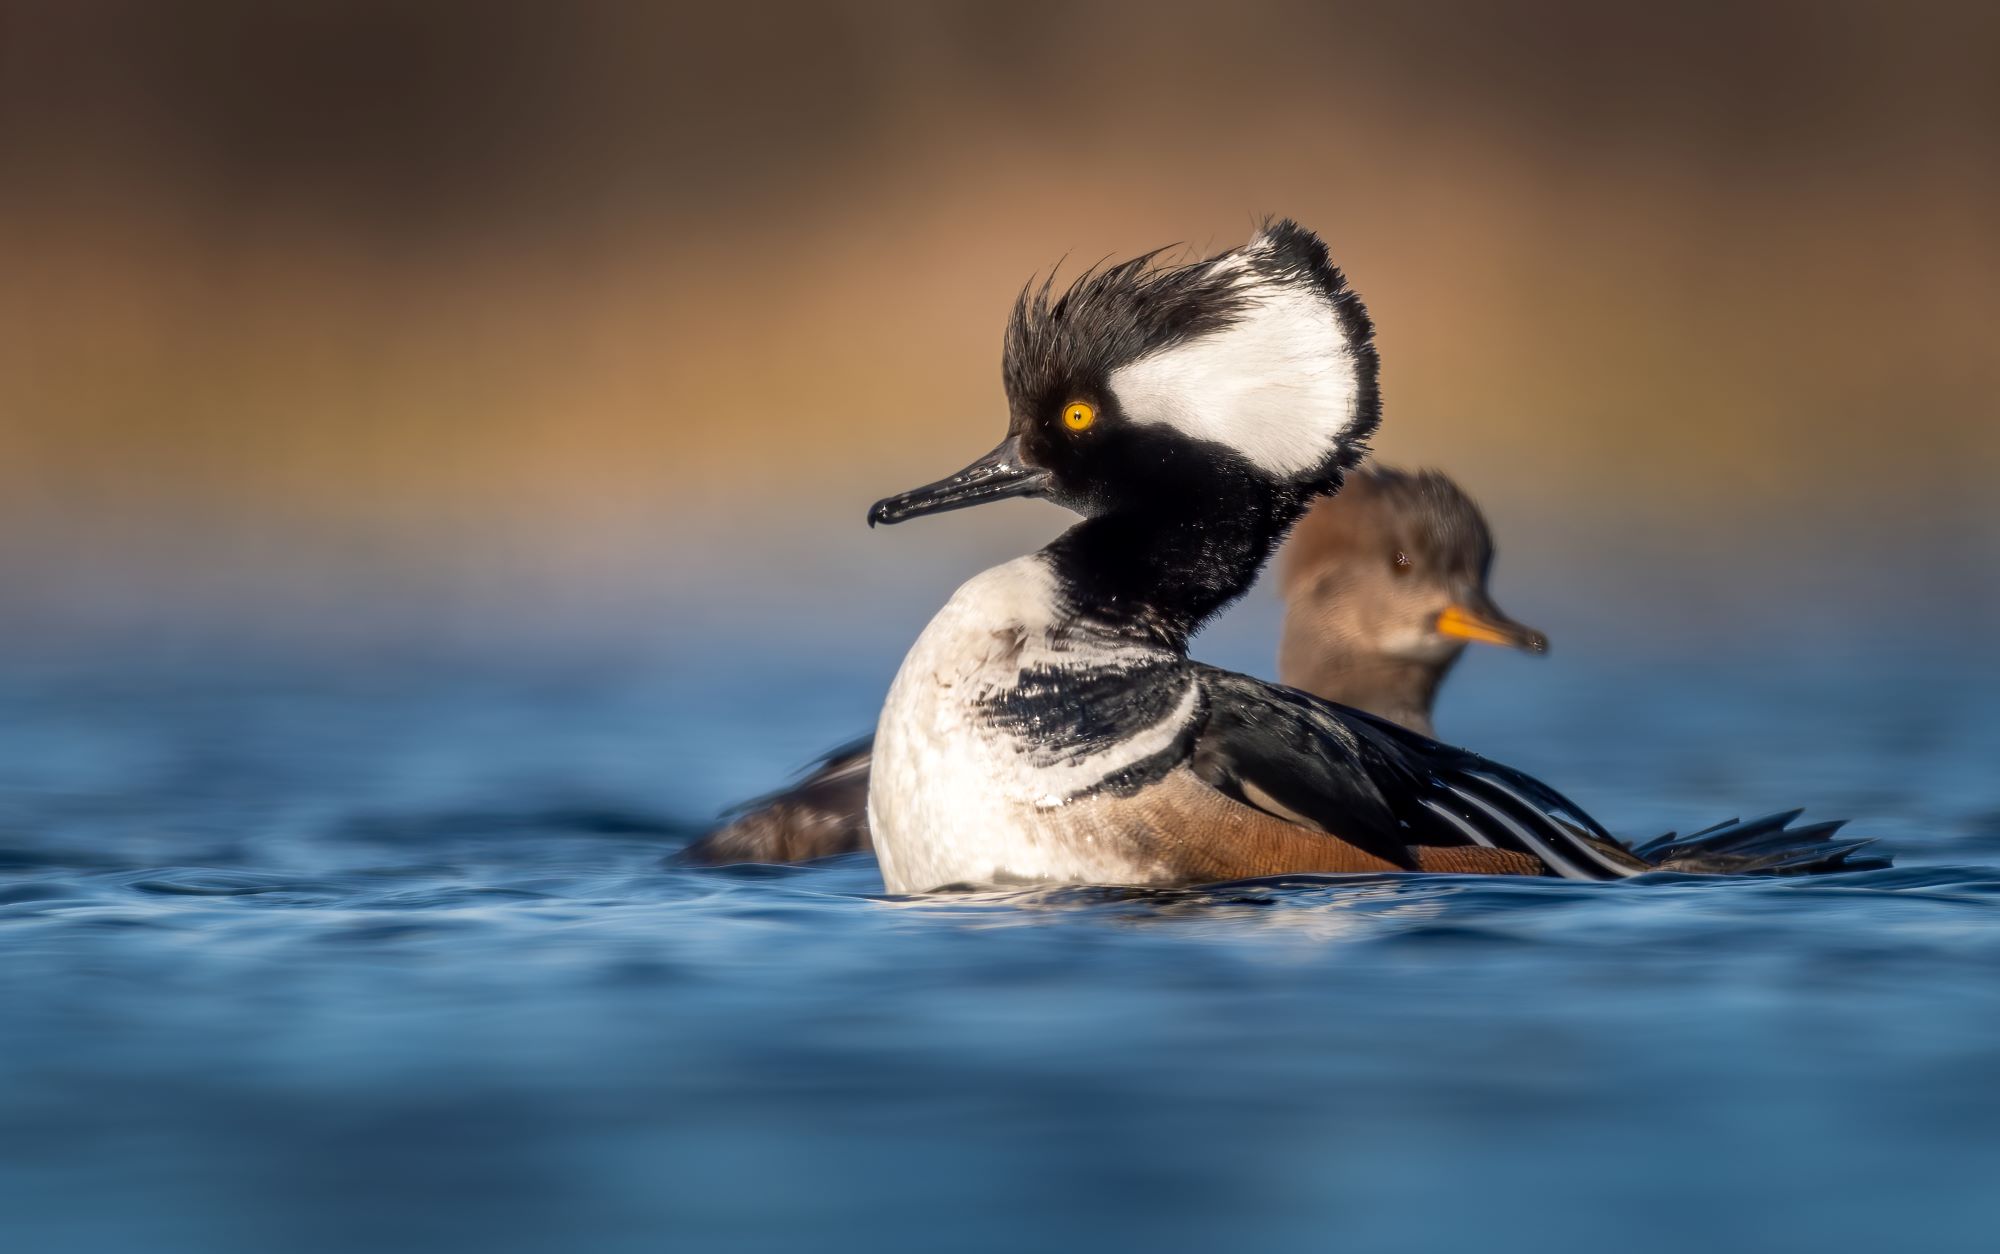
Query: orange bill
1489, 626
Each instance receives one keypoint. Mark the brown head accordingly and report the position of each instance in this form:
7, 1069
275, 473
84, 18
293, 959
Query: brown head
1384, 586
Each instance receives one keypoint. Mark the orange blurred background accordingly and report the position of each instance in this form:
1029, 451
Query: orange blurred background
621, 313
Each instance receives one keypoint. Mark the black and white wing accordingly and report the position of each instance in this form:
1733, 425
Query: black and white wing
1383, 788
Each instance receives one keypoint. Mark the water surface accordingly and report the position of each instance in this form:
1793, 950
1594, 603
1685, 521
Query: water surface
380, 952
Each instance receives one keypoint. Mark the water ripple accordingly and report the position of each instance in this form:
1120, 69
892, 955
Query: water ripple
305, 953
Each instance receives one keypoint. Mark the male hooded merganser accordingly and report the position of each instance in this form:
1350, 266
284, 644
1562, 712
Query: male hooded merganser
1383, 584
1048, 726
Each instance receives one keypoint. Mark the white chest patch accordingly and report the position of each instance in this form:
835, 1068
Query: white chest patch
953, 800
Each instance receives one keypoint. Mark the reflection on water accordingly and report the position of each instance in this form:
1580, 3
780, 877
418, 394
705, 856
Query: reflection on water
300, 956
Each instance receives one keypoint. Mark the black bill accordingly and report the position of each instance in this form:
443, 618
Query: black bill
994, 477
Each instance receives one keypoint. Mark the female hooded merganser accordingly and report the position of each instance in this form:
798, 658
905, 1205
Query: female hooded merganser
1048, 726
1383, 585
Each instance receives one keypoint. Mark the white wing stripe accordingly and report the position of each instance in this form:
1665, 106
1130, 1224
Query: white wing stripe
1478, 837
1616, 868
1541, 848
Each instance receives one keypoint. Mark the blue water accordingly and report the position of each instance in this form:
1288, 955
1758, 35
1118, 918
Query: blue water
347, 951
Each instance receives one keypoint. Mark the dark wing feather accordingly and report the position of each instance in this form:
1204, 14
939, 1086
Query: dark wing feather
842, 765
823, 814
1384, 788
1279, 750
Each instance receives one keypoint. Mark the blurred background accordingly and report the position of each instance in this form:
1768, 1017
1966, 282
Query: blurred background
358, 320
434, 441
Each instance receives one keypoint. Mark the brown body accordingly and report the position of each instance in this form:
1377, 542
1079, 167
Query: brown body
1238, 842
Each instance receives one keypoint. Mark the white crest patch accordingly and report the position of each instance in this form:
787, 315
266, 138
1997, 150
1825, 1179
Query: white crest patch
1280, 386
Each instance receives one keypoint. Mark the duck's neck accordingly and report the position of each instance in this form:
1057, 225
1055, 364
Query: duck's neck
1398, 689
1160, 577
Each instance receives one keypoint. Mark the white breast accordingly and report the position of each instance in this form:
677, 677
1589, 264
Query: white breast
951, 800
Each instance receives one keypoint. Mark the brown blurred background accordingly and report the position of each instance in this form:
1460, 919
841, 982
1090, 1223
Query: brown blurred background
335, 311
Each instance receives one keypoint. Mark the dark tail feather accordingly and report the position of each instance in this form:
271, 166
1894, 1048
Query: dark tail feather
1766, 846
1728, 832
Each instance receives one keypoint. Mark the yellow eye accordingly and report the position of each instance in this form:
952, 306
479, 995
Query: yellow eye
1078, 416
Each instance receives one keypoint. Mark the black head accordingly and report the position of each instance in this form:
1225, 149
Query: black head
1244, 382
